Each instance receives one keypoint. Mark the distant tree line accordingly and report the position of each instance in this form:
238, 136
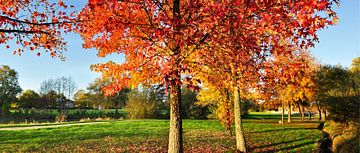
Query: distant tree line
336, 96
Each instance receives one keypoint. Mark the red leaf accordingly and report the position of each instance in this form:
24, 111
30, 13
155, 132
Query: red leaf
26, 43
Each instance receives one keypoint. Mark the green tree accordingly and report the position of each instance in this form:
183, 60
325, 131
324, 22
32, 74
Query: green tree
9, 88
29, 99
189, 108
338, 92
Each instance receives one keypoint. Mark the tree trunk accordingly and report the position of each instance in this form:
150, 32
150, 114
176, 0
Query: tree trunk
228, 116
302, 113
324, 115
319, 110
175, 133
289, 112
309, 114
282, 113
1, 111
239, 133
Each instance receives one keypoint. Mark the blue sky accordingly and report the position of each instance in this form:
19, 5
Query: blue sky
338, 45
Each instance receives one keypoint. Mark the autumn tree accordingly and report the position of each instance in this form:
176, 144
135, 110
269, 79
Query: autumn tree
36, 24
251, 34
158, 37
355, 66
221, 99
291, 81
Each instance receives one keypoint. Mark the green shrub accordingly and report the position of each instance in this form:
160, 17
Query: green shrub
142, 105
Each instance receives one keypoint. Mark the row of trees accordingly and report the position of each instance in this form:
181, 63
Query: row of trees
300, 82
225, 43
147, 102
52, 92
30, 99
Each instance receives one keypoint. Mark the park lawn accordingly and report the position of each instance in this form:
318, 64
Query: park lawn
29, 124
151, 136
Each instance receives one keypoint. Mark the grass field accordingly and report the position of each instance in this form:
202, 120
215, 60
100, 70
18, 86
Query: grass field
151, 136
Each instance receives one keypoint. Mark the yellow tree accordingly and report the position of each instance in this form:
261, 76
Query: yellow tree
211, 95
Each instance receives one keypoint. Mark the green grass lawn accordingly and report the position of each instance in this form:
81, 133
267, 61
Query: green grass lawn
45, 124
151, 136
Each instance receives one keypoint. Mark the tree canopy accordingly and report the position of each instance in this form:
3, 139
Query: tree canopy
35, 24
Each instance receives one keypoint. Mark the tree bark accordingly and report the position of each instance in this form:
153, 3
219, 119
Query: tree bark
175, 133
324, 115
302, 112
299, 111
239, 133
1, 110
228, 116
282, 113
319, 110
289, 112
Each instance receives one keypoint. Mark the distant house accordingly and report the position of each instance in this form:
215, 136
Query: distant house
67, 104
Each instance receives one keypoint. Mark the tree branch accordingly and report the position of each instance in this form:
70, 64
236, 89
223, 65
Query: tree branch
22, 31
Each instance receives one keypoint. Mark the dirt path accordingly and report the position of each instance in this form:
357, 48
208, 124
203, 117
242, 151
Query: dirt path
46, 126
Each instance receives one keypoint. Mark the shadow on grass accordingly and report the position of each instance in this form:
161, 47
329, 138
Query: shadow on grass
295, 146
274, 144
273, 148
285, 129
